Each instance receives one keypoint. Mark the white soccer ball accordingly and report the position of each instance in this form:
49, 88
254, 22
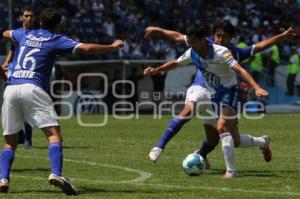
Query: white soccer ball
193, 164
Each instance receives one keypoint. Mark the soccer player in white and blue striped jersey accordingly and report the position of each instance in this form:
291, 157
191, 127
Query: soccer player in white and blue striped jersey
25, 98
222, 35
218, 69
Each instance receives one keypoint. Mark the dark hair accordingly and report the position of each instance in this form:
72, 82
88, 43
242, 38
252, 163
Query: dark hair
198, 31
50, 18
225, 25
26, 8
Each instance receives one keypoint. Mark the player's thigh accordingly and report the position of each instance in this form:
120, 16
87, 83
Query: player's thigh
188, 111
226, 119
38, 107
12, 116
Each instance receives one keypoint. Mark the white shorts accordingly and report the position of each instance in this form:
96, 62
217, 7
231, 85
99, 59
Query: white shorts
202, 97
26, 102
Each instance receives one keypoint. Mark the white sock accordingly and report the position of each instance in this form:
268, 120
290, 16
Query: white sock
228, 150
250, 141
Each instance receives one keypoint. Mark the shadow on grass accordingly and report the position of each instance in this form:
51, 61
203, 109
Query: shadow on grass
64, 147
30, 170
261, 173
268, 173
89, 190
58, 191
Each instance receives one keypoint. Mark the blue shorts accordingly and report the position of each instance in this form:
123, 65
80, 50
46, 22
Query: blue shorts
230, 98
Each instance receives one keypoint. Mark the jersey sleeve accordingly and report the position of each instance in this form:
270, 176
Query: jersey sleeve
229, 59
245, 53
66, 45
17, 35
185, 58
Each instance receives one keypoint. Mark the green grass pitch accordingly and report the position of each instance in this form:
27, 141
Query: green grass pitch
112, 162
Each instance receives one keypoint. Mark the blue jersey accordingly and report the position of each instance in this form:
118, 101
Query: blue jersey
14, 50
37, 51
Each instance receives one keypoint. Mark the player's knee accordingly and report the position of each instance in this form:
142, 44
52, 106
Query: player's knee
221, 127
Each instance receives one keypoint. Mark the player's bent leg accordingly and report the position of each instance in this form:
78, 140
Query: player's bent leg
7, 158
56, 160
173, 128
262, 142
208, 145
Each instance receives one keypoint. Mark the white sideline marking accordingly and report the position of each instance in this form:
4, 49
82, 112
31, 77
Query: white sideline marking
143, 175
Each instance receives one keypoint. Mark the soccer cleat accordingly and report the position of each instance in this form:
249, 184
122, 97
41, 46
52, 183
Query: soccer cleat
63, 183
230, 175
27, 144
207, 165
266, 149
4, 185
155, 153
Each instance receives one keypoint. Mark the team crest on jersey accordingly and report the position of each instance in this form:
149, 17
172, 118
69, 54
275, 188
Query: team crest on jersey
211, 79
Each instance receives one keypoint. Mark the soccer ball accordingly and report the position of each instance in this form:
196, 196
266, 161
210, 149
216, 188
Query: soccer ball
193, 164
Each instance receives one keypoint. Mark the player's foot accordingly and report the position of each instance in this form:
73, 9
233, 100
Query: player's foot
4, 185
266, 149
155, 153
63, 183
207, 165
230, 175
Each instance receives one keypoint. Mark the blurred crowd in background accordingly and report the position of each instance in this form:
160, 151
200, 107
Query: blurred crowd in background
103, 21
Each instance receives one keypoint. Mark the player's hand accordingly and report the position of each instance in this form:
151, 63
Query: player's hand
290, 33
118, 43
261, 92
150, 31
3, 74
149, 71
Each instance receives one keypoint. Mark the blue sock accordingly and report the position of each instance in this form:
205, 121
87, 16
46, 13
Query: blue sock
205, 149
56, 157
7, 158
172, 129
27, 132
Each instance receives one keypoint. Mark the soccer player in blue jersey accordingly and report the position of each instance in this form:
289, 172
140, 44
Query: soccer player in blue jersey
28, 19
218, 69
25, 97
223, 32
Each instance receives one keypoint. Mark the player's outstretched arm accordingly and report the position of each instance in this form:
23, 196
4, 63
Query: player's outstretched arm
86, 48
247, 77
7, 34
165, 67
262, 45
168, 34
7, 60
